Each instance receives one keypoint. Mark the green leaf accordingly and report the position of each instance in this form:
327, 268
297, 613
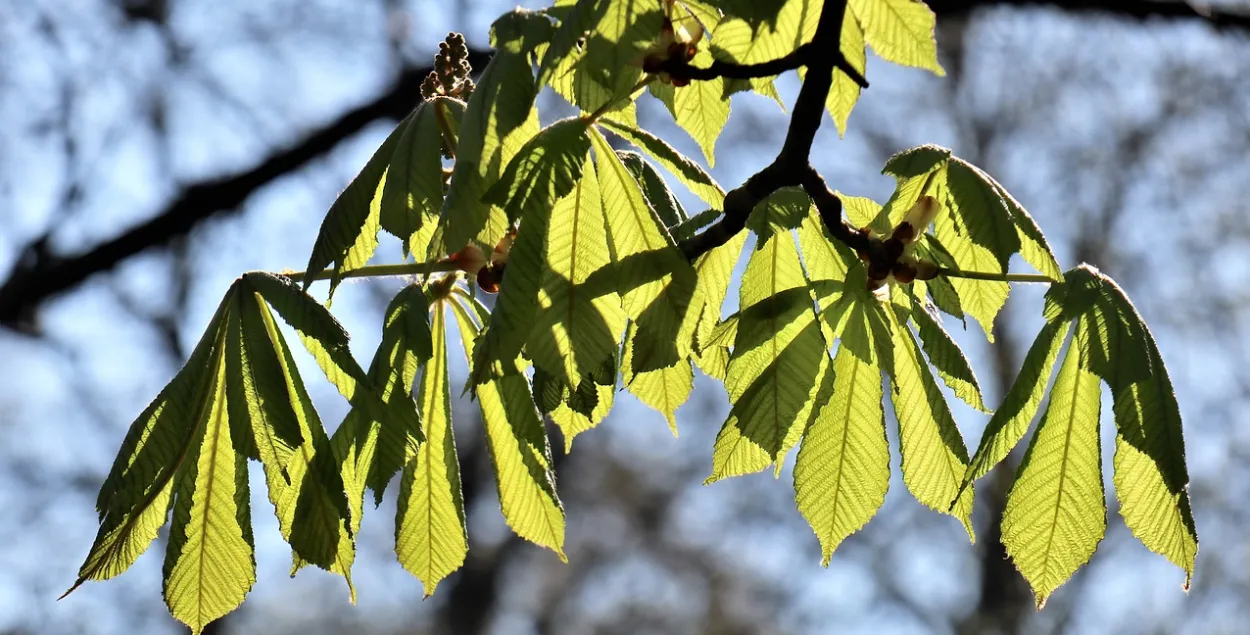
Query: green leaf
615, 35
1150, 474
934, 455
1056, 514
543, 171
373, 451
210, 562
917, 161
737, 40
580, 408
1119, 344
980, 236
714, 270
777, 358
981, 212
519, 451
655, 282
406, 345
701, 109
663, 389
1020, 404
349, 231
135, 498
900, 31
412, 194
845, 91
313, 512
1034, 247
659, 197
843, 466
430, 537
862, 212
946, 356
498, 120
825, 259
698, 181
576, 328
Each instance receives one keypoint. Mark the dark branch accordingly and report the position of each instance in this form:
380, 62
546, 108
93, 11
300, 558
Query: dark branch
40, 274
791, 167
1164, 10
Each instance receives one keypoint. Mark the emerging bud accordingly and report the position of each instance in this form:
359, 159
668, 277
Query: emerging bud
917, 220
470, 259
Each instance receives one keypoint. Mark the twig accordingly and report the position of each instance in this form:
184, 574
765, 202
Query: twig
375, 271
791, 166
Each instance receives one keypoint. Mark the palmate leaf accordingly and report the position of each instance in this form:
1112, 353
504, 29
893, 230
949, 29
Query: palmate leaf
614, 35
900, 31
430, 536
777, 358
934, 455
714, 270
578, 408
741, 40
663, 389
543, 171
577, 328
518, 449
326, 340
843, 467
1056, 514
698, 181
970, 231
349, 231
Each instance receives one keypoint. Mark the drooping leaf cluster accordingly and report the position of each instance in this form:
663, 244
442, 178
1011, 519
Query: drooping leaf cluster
580, 241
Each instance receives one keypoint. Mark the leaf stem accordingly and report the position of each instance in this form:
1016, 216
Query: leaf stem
379, 271
997, 277
604, 109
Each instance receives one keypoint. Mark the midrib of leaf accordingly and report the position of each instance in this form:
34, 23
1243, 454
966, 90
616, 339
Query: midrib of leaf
573, 282
846, 431
212, 470
1063, 468
437, 364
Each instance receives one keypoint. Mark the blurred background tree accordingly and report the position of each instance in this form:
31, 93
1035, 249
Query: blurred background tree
153, 149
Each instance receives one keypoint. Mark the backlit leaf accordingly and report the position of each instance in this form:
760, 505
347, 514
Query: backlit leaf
1056, 514
430, 537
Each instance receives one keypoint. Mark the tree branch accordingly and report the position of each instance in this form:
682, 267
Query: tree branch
1159, 9
40, 275
791, 166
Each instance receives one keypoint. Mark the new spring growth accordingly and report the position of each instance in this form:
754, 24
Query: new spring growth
679, 39
489, 274
450, 77
901, 244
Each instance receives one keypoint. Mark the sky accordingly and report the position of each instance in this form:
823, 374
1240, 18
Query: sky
1061, 96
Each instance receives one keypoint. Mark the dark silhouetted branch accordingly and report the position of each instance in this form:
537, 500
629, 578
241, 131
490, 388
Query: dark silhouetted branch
40, 274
